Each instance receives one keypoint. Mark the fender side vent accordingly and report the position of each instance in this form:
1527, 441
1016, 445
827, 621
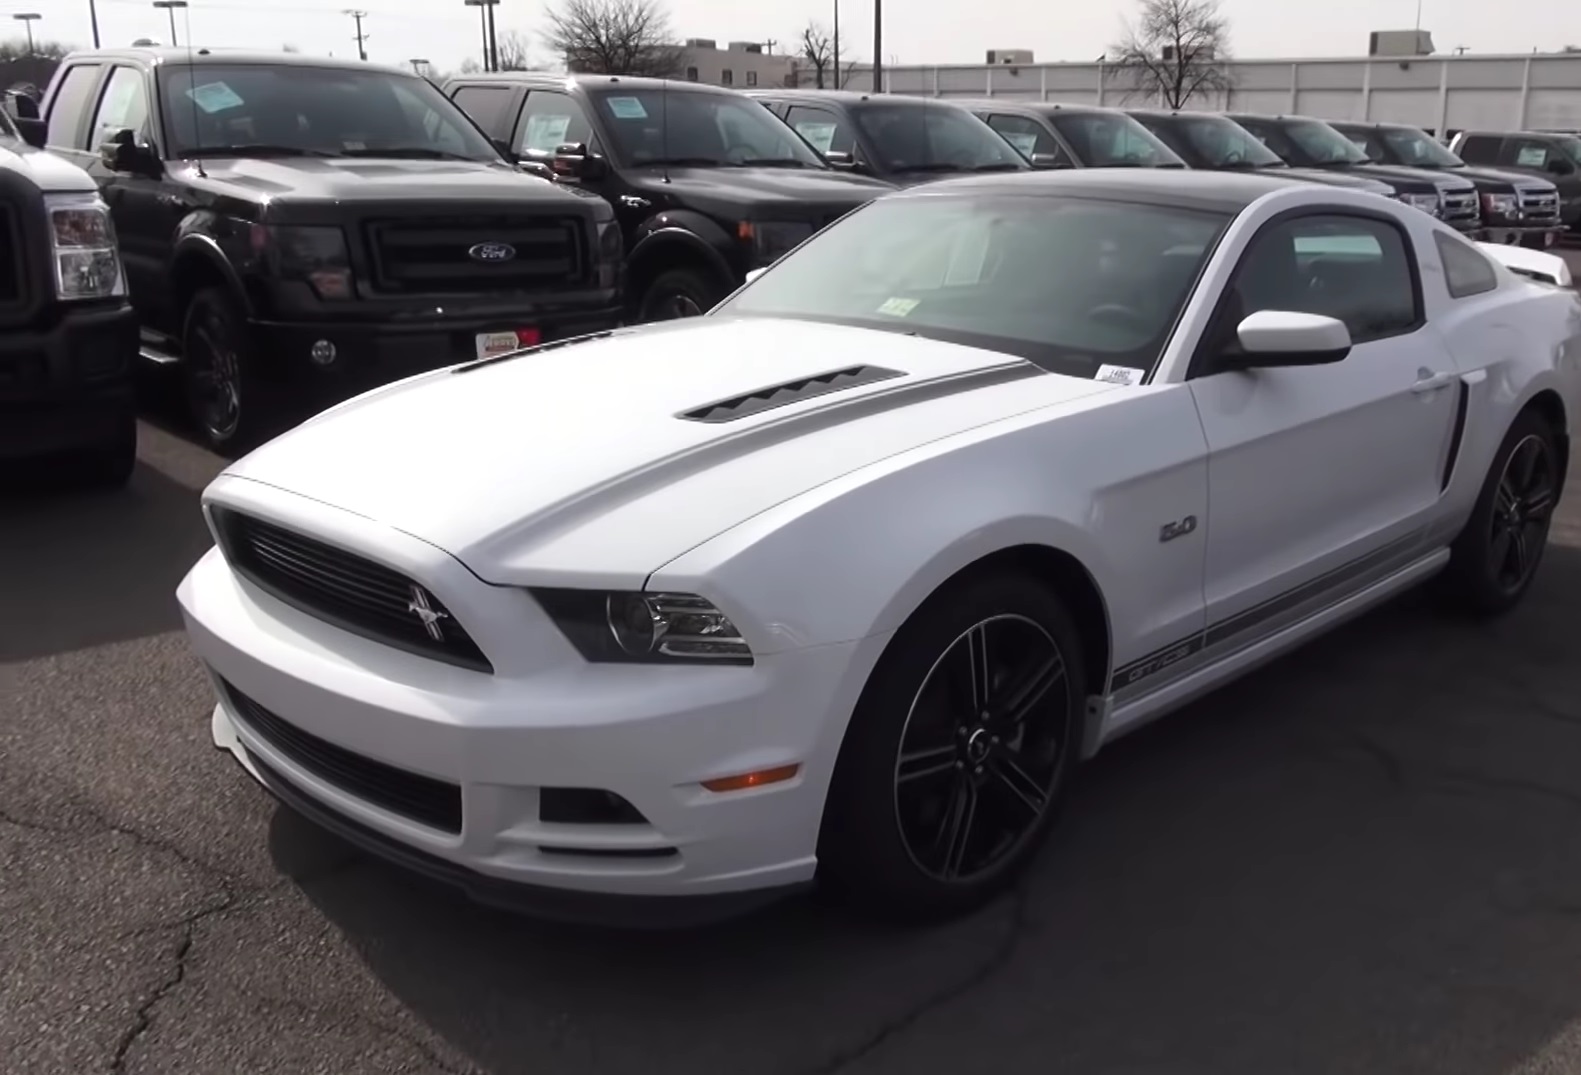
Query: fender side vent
780, 395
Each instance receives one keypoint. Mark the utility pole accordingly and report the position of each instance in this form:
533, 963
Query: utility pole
878, 46
27, 19
491, 55
357, 17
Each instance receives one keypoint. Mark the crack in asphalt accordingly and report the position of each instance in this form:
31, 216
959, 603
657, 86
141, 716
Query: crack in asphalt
324, 1014
996, 961
1405, 776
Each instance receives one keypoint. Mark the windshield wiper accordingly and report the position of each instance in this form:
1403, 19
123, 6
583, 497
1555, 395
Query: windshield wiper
412, 153
776, 162
684, 162
928, 168
1002, 166
257, 149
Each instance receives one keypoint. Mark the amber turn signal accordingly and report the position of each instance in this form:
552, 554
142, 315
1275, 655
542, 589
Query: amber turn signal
776, 775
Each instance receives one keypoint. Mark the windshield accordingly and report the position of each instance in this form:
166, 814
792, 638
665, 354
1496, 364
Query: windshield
686, 127
1071, 284
1323, 143
1215, 142
1415, 148
1572, 147
7, 128
933, 138
297, 110
1103, 140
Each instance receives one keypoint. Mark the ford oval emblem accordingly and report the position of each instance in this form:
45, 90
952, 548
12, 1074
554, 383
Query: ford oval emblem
492, 252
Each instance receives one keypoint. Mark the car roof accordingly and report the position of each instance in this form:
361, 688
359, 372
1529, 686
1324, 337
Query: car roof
590, 82
200, 57
1042, 108
851, 97
1225, 192
1182, 113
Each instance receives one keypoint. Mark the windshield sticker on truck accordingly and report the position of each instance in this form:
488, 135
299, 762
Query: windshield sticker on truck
546, 133
898, 307
626, 108
215, 97
1025, 144
1119, 374
818, 135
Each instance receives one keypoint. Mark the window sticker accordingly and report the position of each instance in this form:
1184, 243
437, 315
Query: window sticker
819, 135
1119, 374
626, 108
1024, 143
898, 307
1531, 157
215, 97
546, 133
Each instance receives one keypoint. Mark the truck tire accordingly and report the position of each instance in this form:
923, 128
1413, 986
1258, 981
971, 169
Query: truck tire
226, 398
679, 293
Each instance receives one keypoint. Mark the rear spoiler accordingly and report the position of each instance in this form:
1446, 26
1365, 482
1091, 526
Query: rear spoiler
1532, 264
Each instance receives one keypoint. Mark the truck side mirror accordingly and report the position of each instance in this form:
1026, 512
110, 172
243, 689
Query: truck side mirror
35, 132
121, 153
573, 160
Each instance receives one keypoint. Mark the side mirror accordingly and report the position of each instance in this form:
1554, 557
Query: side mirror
35, 132
506, 149
1273, 338
121, 153
1560, 166
573, 161
536, 168
837, 159
1048, 160
755, 273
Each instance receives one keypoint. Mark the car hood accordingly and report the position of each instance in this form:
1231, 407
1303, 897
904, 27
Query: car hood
1344, 180
769, 188
1491, 177
1442, 181
573, 464
308, 179
45, 171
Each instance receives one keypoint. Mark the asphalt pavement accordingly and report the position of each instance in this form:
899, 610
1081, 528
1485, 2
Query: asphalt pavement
1366, 858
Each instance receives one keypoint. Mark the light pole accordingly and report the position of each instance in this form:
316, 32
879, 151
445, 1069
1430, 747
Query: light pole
28, 19
837, 46
491, 55
878, 46
417, 65
93, 17
170, 9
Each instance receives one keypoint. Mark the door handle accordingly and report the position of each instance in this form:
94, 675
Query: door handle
1431, 382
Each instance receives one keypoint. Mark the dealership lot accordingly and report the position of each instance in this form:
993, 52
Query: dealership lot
1366, 858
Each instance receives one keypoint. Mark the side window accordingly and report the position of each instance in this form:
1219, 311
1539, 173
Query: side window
691, 74
486, 105
1481, 148
1356, 269
1027, 135
550, 120
821, 129
66, 110
122, 107
1466, 271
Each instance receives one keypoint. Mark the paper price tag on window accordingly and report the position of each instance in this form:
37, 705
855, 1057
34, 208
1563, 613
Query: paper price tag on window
215, 97
546, 133
626, 108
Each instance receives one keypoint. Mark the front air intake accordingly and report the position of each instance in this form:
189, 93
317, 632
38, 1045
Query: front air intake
780, 395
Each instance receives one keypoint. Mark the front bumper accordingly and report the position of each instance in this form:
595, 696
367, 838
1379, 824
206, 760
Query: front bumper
544, 720
67, 384
1514, 233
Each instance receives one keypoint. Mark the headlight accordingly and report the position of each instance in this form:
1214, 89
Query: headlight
1427, 203
611, 252
648, 628
1500, 205
315, 254
772, 241
82, 235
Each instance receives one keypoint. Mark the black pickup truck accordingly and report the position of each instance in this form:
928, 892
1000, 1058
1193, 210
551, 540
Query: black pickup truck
1053, 135
707, 185
296, 229
68, 337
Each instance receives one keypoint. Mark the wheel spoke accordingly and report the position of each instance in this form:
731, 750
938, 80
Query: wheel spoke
955, 833
1508, 501
920, 764
977, 657
1538, 504
1524, 465
1518, 553
1009, 775
1029, 690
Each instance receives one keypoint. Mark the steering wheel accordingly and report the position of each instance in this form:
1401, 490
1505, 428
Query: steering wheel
1118, 312
1234, 156
737, 155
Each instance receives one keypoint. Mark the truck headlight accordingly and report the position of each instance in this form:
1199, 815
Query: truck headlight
82, 238
772, 240
644, 628
1505, 205
1427, 203
312, 253
611, 252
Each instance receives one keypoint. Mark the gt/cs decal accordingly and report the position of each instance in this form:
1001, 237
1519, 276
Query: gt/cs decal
1178, 529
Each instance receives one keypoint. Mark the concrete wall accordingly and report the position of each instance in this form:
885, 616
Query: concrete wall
1436, 92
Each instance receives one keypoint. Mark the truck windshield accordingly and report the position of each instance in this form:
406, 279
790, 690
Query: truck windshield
1406, 145
1215, 142
1103, 140
918, 137
1323, 143
297, 110
700, 130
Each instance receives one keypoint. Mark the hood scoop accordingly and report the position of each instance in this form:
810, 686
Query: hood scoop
780, 395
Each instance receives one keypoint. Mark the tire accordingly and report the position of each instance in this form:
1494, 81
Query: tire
674, 292
1527, 475
891, 830
217, 360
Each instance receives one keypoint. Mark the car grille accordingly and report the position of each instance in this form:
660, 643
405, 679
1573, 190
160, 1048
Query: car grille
1461, 207
432, 255
12, 275
423, 799
1539, 206
345, 589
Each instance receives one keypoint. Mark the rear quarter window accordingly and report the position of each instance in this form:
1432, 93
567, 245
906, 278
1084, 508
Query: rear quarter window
1466, 271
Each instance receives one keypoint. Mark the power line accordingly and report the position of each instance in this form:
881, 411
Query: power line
357, 17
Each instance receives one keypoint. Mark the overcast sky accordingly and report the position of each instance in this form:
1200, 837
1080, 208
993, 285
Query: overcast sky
916, 31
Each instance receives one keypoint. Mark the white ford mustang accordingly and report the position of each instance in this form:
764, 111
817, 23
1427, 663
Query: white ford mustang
842, 580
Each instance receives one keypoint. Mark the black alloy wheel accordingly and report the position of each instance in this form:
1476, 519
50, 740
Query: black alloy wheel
679, 293
1523, 508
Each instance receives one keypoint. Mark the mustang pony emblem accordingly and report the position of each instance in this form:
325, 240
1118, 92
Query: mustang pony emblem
425, 611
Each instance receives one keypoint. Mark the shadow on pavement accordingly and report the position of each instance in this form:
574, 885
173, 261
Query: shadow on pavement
87, 568
1365, 858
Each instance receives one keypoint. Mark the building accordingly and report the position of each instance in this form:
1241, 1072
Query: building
1441, 93
741, 64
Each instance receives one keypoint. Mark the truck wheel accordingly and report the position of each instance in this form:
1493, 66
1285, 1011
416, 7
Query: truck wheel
679, 293
219, 373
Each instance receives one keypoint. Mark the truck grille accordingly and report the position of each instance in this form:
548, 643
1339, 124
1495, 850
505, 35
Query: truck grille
435, 803
1539, 206
344, 589
1461, 207
433, 255
12, 274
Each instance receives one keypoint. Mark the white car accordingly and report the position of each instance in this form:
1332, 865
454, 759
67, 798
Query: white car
841, 580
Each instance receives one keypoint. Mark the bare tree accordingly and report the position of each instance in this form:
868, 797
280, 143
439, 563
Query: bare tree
1176, 50
514, 51
615, 37
816, 46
